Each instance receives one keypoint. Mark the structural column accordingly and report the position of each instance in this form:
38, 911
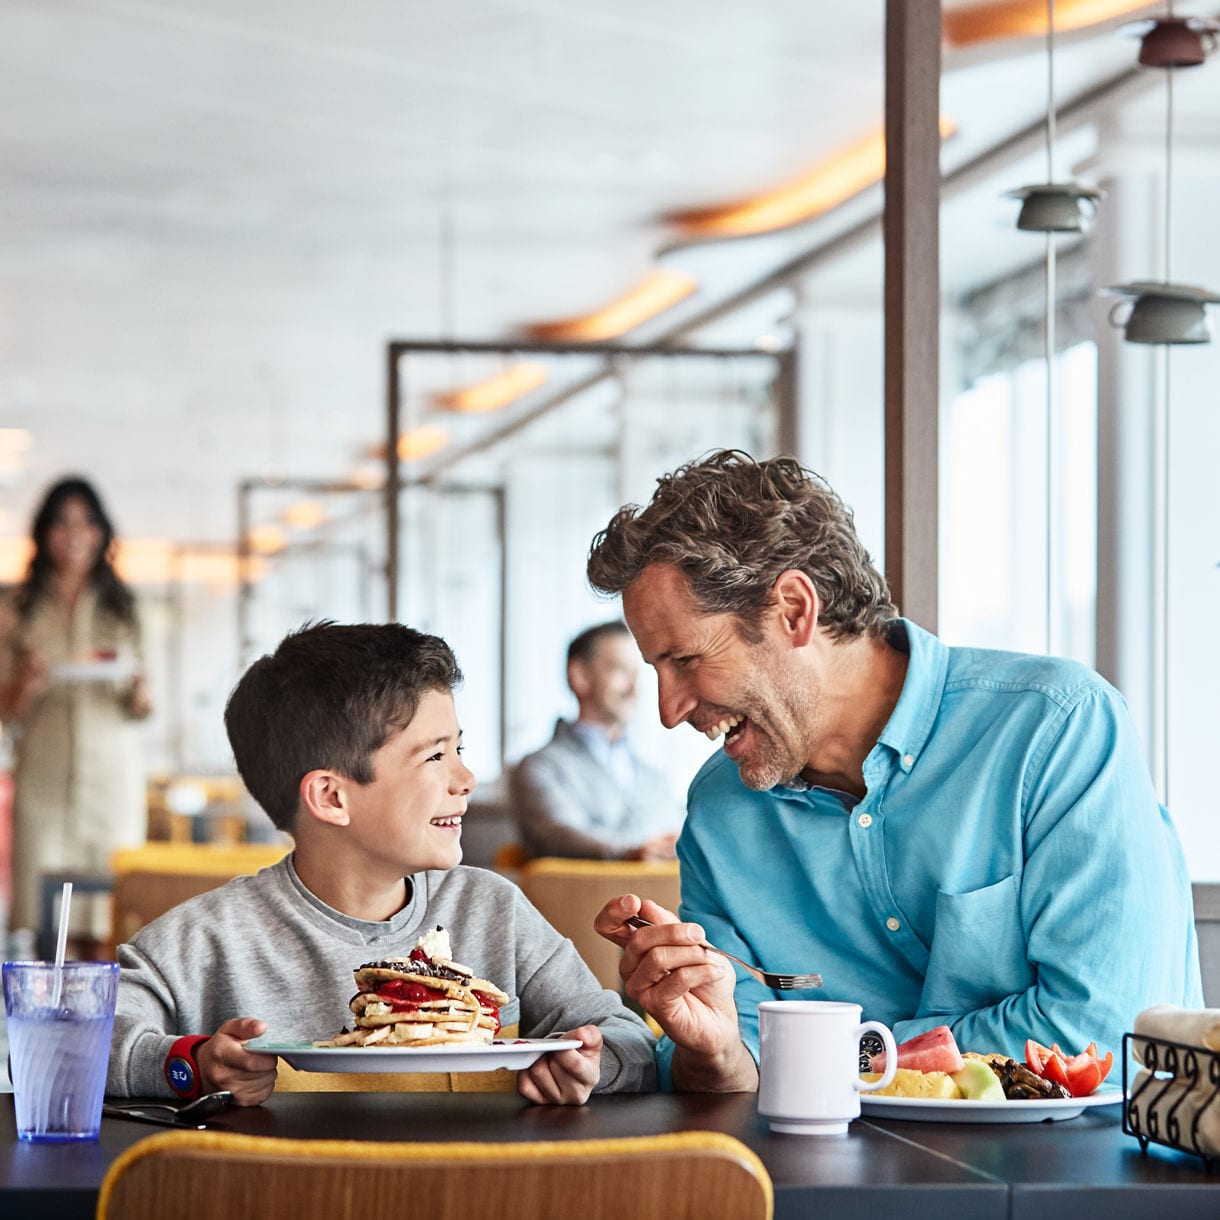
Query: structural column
912, 303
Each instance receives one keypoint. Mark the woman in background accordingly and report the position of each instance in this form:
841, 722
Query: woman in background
71, 686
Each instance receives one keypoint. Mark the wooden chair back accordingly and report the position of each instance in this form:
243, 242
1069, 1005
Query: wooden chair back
509, 858
152, 878
189, 1175
569, 893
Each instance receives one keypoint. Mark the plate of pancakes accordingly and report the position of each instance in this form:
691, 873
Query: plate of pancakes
419, 1013
514, 1054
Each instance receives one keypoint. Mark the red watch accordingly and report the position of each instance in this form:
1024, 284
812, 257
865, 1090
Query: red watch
181, 1070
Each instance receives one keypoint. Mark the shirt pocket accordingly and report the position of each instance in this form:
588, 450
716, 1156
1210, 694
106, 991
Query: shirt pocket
978, 954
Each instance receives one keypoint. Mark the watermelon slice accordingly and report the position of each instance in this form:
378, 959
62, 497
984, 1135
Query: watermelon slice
935, 1051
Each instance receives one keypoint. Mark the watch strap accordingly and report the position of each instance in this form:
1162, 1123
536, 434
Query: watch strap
181, 1071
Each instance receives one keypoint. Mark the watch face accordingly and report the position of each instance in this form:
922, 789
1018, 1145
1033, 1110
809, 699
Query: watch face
181, 1074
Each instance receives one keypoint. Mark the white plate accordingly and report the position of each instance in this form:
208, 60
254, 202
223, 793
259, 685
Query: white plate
941, 1110
114, 669
454, 1058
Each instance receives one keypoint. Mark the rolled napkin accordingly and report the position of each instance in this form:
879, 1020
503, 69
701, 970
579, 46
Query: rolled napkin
1198, 1027
1171, 1112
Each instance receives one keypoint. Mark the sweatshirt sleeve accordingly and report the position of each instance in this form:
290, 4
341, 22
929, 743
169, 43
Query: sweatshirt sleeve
560, 993
145, 1027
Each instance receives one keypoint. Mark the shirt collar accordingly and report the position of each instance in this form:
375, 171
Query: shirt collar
595, 735
910, 724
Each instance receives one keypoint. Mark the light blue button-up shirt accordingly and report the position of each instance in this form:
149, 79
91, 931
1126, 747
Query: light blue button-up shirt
1008, 872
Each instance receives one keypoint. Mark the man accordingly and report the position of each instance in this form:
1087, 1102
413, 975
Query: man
949, 835
586, 793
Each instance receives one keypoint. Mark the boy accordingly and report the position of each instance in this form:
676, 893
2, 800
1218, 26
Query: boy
348, 739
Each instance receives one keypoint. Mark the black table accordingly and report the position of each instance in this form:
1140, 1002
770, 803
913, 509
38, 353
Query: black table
1081, 1168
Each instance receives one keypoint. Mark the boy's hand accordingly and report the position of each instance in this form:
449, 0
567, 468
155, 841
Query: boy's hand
565, 1078
225, 1064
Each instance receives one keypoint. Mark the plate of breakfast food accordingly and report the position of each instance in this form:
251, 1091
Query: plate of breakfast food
960, 1110
514, 1054
936, 1082
419, 1013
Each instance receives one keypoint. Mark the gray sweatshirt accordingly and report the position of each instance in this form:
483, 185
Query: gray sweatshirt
265, 947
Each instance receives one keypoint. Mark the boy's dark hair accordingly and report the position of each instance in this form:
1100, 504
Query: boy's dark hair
585, 645
328, 698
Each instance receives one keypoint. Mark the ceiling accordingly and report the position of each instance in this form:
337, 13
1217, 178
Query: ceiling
212, 217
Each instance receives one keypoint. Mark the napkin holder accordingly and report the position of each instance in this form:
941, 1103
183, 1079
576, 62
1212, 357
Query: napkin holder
1178, 1098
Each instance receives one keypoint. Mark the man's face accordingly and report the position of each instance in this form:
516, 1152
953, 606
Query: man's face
709, 676
605, 683
410, 815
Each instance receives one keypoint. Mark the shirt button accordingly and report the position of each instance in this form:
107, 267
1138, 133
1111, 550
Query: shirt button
865, 820
908, 760
892, 924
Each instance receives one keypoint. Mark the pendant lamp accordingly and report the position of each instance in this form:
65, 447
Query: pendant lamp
1050, 206
1152, 311
1168, 314
1173, 42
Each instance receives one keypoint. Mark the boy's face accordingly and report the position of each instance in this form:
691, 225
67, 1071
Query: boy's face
410, 816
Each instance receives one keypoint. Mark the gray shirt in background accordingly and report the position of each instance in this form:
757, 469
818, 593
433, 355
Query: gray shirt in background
264, 946
568, 803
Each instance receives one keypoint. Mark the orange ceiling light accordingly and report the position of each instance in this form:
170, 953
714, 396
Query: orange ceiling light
266, 539
845, 174
422, 442
368, 475
15, 555
514, 382
973, 23
659, 291
305, 514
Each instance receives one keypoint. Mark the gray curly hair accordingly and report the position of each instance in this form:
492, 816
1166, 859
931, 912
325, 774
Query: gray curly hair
731, 525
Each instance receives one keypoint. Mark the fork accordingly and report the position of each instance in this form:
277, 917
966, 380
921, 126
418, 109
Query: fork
768, 978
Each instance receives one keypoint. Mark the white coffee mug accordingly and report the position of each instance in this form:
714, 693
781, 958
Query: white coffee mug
809, 1064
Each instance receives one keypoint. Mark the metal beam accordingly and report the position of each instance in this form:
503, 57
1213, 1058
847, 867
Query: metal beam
911, 223
393, 429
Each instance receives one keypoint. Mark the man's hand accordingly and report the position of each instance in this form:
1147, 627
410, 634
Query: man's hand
685, 989
660, 848
565, 1078
225, 1064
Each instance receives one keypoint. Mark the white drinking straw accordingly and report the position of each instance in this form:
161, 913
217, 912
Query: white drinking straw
61, 945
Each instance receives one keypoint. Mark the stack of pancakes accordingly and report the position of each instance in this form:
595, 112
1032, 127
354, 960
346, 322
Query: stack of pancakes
421, 1000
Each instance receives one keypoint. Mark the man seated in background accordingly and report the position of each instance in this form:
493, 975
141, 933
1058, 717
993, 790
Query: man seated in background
587, 793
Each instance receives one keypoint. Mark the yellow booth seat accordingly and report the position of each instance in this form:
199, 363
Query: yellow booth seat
152, 878
569, 893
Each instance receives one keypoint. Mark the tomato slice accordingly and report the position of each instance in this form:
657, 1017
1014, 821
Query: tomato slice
1046, 1062
1086, 1071
1035, 1056
1083, 1078
1079, 1074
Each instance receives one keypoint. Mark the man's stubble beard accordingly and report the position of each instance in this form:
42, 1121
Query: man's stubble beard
773, 764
